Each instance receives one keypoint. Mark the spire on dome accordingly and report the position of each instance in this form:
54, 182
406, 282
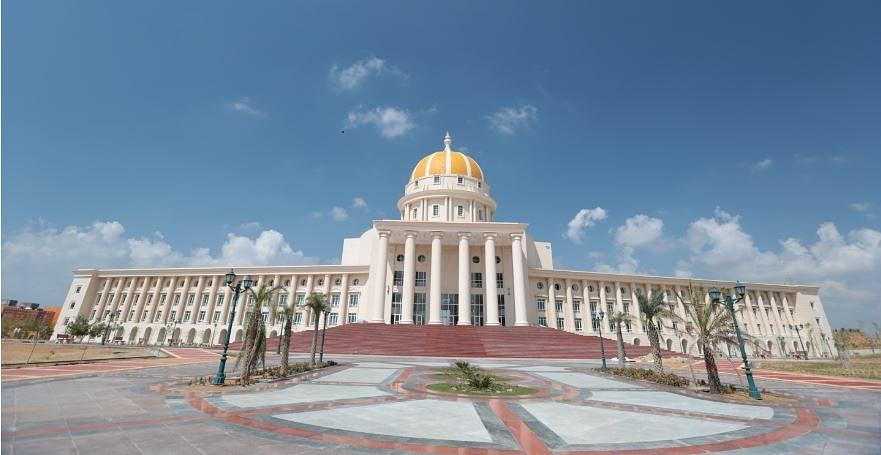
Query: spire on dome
448, 141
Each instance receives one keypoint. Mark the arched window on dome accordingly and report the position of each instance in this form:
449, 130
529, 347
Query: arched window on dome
415, 214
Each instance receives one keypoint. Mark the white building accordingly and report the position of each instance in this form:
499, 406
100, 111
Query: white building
445, 249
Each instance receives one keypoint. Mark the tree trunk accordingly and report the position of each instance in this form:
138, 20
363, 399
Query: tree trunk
712, 372
286, 347
656, 346
315, 338
621, 354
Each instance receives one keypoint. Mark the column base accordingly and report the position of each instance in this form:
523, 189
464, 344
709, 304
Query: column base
521, 324
463, 323
492, 324
435, 323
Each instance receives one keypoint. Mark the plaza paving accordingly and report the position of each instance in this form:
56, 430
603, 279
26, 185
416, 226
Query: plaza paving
381, 405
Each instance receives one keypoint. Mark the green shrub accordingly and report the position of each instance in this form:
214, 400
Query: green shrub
669, 379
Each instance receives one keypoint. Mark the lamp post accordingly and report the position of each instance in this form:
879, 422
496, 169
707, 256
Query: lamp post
107, 328
716, 295
237, 289
799, 340
323, 333
599, 318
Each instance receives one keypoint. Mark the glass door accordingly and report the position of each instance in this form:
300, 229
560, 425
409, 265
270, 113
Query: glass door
502, 310
396, 308
477, 309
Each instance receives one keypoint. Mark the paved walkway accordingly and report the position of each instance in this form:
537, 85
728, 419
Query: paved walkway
177, 356
735, 369
382, 406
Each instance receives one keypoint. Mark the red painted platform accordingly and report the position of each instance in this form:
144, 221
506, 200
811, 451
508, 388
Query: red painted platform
460, 341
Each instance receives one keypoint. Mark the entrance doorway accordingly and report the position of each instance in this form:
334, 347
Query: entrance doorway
450, 309
501, 310
477, 309
396, 308
419, 308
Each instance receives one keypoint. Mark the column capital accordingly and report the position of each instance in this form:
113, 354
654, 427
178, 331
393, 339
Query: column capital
410, 234
436, 234
517, 236
490, 235
384, 233
464, 235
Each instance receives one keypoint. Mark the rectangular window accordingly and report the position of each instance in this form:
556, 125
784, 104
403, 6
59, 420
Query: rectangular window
219, 300
476, 280
144, 316
205, 299
137, 298
158, 316
216, 316
542, 321
435, 210
131, 315
176, 299
561, 323
98, 299
301, 299
93, 314
460, 180
540, 304
398, 278
298, 318
352, 317
421, 278
558, 305
626, 307
576, 306
578, 326
187, 316
173, 314
335, 300
66, 320
201, 316
500, 281
460, 211
437, 180
353, 300
415, 213
334, 319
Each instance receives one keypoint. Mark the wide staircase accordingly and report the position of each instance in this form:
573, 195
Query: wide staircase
458, 341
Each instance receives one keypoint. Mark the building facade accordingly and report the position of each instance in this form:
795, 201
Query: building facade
446, 261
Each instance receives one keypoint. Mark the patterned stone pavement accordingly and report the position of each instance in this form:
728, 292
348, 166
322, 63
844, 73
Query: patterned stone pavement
381, 405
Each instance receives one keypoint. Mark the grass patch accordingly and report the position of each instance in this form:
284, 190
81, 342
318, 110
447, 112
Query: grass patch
504, 390
864, 367
467, 379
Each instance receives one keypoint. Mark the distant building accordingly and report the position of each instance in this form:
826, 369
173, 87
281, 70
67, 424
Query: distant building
23, 310
445, 261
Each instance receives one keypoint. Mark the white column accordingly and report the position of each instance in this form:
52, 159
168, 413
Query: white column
99, 311
464, 280
519, 280
212, 300
307, 313
409, 277
551, 305
434, 289
492, 292
343, 310
130, 297
377, 301
197, 303
568, 313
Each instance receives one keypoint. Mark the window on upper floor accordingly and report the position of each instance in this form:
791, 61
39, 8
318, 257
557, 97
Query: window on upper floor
72, 304
540, 285
415, 214
420, 278
476, 280
540, 303
460, 180
435, 210
398, 278
437, 180
356, 282
460, 210
80, 288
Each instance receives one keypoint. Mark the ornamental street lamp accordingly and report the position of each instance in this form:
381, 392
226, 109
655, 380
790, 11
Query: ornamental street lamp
799, 340
598, 317
237, 289
716, 295
323, 333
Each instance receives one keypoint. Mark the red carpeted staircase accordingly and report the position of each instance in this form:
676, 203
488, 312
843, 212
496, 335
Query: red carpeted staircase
458, 341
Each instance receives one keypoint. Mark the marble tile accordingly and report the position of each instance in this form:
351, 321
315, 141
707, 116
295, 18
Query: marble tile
364, 375
302, 393
586, 381
667, 400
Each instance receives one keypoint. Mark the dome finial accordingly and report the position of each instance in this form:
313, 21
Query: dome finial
448, 141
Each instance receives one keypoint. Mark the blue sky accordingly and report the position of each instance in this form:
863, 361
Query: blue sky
734, 140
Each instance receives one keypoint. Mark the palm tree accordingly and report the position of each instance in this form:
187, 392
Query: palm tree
317, 302
620, 318
288, 314
653, 309
711, 325
254, 344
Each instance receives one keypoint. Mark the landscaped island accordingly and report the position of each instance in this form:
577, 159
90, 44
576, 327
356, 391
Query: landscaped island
467, 379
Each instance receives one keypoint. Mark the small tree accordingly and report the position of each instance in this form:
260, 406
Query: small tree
253, 349
842, 341
653, 309
97, 330
288, 314
620, 318
79, 327
317, 303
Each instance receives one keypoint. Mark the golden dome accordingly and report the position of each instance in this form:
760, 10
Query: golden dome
447, 162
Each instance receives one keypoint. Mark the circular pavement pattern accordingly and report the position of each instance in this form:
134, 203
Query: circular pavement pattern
385, 405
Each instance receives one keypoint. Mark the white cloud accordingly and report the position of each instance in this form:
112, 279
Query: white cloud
639, 231
846, 267
584, 219
763, 165
510, 120
359, 203
338, 214
351, 77
246, 106
38, 260
389, 121
861, 206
